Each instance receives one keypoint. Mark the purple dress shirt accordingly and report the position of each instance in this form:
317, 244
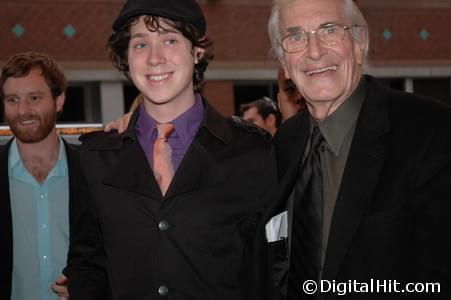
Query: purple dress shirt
186, 126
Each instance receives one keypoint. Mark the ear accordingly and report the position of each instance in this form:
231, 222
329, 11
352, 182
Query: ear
198, 54
284, 66
60, 101
271, 120
359, 45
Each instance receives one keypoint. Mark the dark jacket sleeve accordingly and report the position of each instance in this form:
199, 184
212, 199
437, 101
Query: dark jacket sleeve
259, 283
86, 258
432, 206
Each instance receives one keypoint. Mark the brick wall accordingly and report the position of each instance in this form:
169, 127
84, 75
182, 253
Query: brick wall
75, 32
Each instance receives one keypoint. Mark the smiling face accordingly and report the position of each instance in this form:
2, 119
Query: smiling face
326, 75
161, 66
30, 109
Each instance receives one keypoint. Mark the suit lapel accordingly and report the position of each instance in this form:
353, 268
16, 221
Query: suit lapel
73, 165
5, 208
6, 238
361, 174
290, 143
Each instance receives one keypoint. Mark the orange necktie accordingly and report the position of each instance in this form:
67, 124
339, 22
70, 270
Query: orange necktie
162, 157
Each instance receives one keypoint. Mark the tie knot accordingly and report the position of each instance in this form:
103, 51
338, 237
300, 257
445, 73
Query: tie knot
316, 137
165, 130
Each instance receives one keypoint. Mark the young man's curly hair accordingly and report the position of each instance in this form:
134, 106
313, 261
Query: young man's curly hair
118, 45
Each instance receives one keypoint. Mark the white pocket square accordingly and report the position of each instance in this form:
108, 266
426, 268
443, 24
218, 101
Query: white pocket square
277, 228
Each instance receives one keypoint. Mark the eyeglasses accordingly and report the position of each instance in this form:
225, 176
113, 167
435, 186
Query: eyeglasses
330, 34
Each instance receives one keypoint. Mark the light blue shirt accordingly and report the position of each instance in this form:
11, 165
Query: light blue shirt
40, 218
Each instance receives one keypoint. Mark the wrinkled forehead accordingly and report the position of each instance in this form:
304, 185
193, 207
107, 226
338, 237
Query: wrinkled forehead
310, 14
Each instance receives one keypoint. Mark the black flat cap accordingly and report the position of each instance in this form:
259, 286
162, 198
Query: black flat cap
186, 11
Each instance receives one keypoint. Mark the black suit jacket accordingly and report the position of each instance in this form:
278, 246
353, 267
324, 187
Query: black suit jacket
197, 240
6, 236
392, 214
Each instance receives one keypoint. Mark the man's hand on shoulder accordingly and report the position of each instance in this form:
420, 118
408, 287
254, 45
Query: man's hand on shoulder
120, 124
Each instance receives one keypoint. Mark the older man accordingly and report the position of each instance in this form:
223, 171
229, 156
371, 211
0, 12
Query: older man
366, 170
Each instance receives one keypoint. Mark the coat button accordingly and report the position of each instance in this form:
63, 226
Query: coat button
163, 290
163, 225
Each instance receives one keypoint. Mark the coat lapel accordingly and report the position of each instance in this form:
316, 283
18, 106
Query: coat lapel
132, 172
197, 170
360, 176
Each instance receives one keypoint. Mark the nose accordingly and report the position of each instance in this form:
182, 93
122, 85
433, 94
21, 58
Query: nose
156, 56
24, 107
315, 48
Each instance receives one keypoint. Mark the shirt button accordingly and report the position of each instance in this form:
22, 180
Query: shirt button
44, 256
322, 148
42, 196
44, 226
163, 290
163, 225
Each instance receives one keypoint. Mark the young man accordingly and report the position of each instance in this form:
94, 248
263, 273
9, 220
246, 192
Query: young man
263, 113
37, 170
372, 198
177, 210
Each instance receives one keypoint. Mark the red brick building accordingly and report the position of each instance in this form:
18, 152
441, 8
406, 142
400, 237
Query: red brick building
410, 49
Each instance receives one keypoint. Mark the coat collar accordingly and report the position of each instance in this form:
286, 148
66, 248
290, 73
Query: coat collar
213, 122
198, 168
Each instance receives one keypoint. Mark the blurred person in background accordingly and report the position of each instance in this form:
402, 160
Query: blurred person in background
263, 113
289, 99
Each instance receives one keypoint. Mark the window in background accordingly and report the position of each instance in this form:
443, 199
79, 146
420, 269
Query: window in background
130, 93
438, 88
82, 104
394, 83
247, 91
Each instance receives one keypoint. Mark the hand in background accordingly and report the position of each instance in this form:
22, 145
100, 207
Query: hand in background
120, 124
59, 287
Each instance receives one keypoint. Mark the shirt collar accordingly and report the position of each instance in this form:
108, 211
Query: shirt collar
186, 124
16, 164
212, 121
335, 127
60, 168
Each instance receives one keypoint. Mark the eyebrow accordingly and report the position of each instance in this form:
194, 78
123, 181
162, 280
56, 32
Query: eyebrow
161, 31
37, 92
295, 29
138, 35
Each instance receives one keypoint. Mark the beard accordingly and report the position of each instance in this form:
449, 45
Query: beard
35, 133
